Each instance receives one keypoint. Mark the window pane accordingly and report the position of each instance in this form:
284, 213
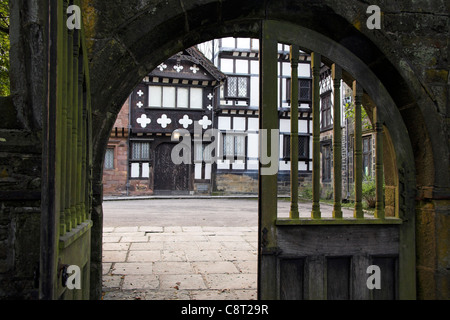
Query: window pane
183, 98
169, 97
109, 159
305, 89
303, 147
140, 150
145, 153
154, 99
243, 87
228, 145
145, 170
232, 87
196, 98
135, 151
240, 145
135, 170
198, 151
366, 144
208, 152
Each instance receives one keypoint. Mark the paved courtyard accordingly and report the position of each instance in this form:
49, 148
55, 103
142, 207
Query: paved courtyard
186, 249
188, 263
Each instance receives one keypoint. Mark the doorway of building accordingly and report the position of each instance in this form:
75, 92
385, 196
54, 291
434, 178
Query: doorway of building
170, 178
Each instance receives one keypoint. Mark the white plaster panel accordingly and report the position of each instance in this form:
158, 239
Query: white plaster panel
239, 123
224, 123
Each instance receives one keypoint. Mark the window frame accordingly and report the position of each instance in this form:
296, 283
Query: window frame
287, 147
300, 98
227, 97
139, 161
223, 146
327, 162
326, 111
367, 154
176, 96
113, 149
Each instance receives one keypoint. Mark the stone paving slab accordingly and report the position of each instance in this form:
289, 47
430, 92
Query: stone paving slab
179, 263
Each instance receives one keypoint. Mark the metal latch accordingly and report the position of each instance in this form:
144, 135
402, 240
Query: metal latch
62, 272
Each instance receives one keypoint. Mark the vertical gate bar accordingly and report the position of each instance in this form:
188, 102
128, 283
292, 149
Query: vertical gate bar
294, 214
70, 119
50, 224
62, 82
77, 125
267, 201
358, 165
316, 63
337, 142
81, 137
379, 167
84, 165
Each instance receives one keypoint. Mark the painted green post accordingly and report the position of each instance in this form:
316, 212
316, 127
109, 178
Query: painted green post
294, 214
267, 203
76, 130
379, 167
316, 62
70, 122
337, 142
63, 104
357, 163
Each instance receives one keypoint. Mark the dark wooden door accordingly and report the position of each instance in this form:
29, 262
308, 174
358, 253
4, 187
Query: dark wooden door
169, 177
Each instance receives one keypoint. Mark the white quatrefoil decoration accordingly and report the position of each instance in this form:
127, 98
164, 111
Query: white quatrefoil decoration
205, 122
162, 66
144, 121
178, 68
140, 104
210, 96
140, 93
164, 121
186, 121
195, 69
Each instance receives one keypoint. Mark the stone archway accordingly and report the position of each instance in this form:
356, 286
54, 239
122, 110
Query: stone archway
119, 38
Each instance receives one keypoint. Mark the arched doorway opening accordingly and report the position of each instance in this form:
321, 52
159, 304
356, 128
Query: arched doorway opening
322, 47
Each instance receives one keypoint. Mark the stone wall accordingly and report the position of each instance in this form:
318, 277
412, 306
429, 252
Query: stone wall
115, 180
20, 194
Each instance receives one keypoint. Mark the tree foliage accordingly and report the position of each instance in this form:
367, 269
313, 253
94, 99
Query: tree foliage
4, 48
349, 110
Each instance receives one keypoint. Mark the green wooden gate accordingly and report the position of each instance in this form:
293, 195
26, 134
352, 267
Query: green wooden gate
66, 189
318, 257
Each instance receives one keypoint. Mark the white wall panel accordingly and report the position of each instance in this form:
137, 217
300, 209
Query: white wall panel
253, 146
239, 124
224, 123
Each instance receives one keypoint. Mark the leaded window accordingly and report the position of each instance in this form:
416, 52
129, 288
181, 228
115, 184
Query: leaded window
367, 156
140, 150
303, 147
109, 159
326, 107
234, 145
237, 87
326, 163
175, 97
304, 90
